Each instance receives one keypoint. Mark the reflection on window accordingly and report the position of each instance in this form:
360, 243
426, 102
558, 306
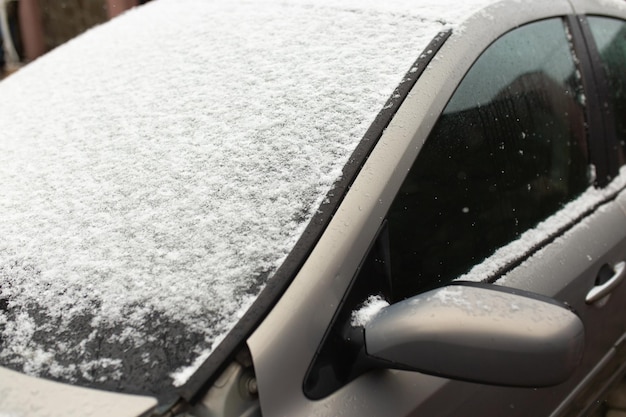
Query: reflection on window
610, 37
508, 151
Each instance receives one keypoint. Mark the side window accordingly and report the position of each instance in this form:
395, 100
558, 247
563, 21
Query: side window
507, 152
610, 37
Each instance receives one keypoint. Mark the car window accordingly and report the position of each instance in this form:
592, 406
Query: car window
507, 152
610, 37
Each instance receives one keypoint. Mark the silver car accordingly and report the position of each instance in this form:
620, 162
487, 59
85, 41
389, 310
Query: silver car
308, 208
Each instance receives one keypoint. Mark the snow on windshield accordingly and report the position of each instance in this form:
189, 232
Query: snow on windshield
157, 170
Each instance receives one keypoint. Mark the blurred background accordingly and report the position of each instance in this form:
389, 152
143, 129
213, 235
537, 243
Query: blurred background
30, 28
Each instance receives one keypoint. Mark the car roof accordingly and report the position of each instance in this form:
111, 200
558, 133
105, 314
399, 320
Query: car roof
158, 170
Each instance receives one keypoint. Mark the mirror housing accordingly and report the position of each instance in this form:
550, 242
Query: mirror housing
481, 333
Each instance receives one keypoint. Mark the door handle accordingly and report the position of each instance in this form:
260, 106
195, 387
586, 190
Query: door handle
602, 290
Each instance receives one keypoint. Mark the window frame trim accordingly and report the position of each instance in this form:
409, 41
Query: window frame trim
608, 117
600, 139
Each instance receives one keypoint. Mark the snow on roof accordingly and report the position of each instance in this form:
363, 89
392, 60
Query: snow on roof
620, 4
158, 169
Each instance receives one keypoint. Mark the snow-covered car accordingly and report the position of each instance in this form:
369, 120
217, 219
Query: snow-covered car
318, 207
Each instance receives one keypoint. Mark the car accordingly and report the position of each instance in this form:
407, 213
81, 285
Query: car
297, 208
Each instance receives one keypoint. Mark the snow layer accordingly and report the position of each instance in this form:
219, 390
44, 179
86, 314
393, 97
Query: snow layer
620, 4
371, 307
157, 170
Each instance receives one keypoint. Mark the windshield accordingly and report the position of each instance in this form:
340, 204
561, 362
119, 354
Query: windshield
157, 170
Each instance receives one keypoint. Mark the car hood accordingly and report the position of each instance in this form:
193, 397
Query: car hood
53, 399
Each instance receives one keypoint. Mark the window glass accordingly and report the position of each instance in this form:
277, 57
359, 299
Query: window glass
610, 37
508, 151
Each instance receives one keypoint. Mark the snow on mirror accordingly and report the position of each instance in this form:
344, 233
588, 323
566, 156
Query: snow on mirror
481, 333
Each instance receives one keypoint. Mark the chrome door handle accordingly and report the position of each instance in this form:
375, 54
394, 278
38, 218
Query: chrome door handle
600, 291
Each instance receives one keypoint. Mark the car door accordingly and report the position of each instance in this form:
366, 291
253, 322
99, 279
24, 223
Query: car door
505, 189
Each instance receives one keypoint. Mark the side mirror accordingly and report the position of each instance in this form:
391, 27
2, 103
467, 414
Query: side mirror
481, 333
